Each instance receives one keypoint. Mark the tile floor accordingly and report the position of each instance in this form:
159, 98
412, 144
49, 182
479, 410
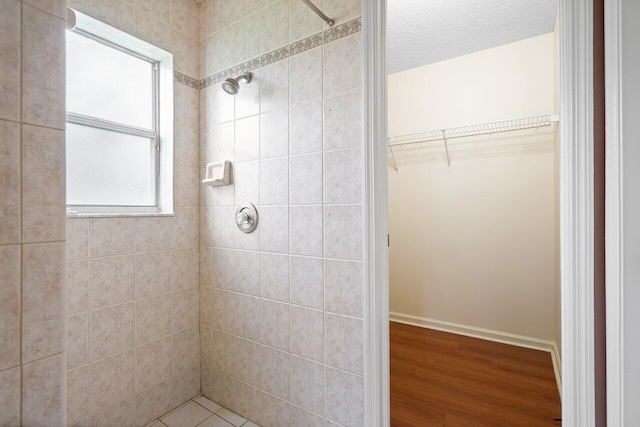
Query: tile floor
201, 412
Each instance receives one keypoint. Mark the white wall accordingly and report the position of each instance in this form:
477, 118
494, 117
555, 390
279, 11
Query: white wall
476, 246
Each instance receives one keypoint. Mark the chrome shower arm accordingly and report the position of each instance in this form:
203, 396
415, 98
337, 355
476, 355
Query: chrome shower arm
318, 12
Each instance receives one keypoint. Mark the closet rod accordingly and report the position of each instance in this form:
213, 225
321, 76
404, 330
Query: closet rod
318, 12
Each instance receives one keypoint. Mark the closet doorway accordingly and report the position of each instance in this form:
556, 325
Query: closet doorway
474, 213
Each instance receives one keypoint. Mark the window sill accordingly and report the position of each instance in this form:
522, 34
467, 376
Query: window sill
120, 215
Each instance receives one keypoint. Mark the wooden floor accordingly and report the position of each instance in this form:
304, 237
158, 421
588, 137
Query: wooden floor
442, 379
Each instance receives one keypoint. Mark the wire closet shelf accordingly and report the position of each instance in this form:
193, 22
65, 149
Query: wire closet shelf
444, 135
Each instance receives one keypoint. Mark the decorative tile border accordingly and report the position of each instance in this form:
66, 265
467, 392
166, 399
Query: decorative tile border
186, 80
326, 36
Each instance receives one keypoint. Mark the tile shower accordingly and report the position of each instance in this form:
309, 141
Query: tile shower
278, 337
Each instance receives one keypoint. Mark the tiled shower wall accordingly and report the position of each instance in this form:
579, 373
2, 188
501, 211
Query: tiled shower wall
281, 324
32, 228
132, 282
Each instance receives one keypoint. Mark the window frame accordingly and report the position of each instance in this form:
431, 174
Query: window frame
160, 135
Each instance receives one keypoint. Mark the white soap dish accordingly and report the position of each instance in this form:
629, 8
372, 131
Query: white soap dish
218, 174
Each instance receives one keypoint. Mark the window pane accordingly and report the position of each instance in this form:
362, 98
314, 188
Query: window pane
106, 83
109, 168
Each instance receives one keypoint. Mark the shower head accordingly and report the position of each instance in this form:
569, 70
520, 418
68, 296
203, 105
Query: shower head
231, 85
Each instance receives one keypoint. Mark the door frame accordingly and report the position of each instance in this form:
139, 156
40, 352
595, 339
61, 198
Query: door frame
576, 214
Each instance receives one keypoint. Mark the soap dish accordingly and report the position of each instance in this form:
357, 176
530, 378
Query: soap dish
218, 174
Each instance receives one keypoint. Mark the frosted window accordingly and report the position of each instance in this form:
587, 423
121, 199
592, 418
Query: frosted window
109, 168
107, 83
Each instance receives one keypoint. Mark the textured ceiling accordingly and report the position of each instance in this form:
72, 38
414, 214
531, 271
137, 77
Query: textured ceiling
421, 32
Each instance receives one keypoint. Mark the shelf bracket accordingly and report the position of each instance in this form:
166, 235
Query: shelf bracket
393, 157
318, 12
446, 149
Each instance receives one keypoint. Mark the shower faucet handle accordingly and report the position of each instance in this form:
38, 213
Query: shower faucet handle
247, 217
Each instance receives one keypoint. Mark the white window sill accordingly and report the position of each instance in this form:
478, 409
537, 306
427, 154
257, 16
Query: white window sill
119, 215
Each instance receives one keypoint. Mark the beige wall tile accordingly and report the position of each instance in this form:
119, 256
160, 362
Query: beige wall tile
307, 335
274, 235
343, 231
153, 233
77, 394
307, 282
185, 268
342, 65
338, 132
111, 236
43, 392
77, 340
275, 324
273, 93
120, 414
248, 401
54, 7
185, 49
306, 230
153, 363
9, 306
248, 317
43, 302
247, 40
42, 68
9, 172
152, 30
111, 379
224, 309
307, 384
184, 16
160, 9
77, 282
302, 21
344, 387
342, 10
185, 228
186, 350
153, 318
344, 287
206, 346
153, 403
300, 417
276, 371
186, 386
118, 13
343, 176
274, 26
111, 281
43, 185
186, 184
10, 66
152, 273
275, 276
249, 362
186, 146
10, 397
224, 389
305, 71
275, 412
274, 181
343, 342
247, 274
305, 179
185, 315
77, 236
224, 352
305, 127
111, 330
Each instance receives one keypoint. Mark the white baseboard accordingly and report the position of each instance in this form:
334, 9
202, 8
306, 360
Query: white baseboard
487, 334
